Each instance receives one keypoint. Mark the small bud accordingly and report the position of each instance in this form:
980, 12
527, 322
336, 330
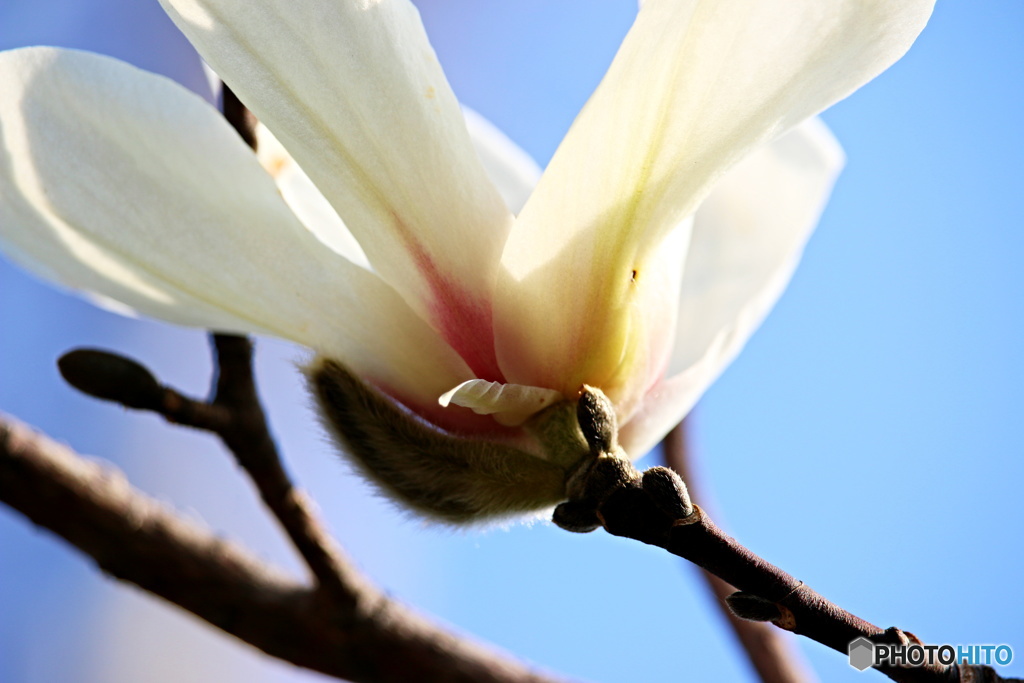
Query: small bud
668, 492
596, 416
607, 474
577, 516
442, 476
111, 377
752, 607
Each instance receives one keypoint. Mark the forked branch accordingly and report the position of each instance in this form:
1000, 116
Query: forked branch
340, 626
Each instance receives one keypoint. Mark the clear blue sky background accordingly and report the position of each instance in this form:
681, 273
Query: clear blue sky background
868, 440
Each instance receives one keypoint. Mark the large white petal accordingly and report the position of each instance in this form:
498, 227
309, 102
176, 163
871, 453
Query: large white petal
354, 91
749, 233
748, 236
695, 86
124, 184
303, 198
513, 172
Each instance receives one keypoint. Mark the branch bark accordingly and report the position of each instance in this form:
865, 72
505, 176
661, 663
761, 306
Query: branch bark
768, 652
654, 507
136, 539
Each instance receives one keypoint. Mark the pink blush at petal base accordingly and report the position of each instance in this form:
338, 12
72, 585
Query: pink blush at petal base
464, 320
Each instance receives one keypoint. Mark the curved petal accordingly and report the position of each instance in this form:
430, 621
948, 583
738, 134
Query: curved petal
511, 404
512, 170
749, 233
664, 406
354, 91
125, 184
748, 236
624, 341
304, 199
696, 85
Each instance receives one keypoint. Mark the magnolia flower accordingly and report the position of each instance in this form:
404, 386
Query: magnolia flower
448, 331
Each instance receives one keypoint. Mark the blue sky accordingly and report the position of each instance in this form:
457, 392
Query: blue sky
868, 439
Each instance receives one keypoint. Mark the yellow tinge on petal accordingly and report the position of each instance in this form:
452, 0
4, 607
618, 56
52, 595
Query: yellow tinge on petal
696, 86
648, 200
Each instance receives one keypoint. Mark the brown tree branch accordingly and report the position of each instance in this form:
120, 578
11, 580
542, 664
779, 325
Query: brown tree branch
246, 434
768, 652
654, 507
351, 631
136, 539
235, 415
342, 626
243, 428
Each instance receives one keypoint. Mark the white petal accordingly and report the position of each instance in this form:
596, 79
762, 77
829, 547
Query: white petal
513, 171
511, 404
621, 341
748, 236
124, 184
354, 91
665, 405
304, 199
696, 85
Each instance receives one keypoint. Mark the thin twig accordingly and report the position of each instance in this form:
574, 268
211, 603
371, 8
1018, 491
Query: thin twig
247, 437
769, 653
235, 415
136, 539
236, 113
246, 434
